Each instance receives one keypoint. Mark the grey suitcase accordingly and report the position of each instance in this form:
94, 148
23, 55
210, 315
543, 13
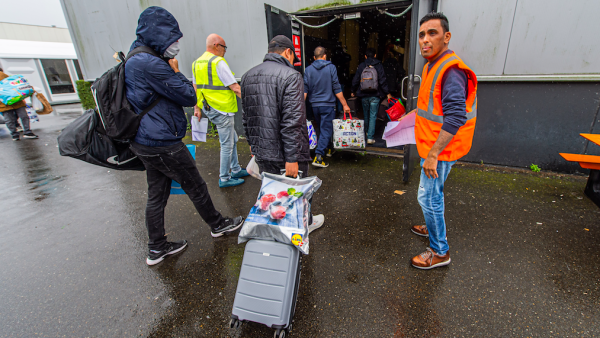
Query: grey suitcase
268, 286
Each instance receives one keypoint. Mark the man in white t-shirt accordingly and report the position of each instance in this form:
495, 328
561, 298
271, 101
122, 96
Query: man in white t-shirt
216, 90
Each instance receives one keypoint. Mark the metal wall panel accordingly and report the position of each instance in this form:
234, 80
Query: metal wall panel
98, 27
480, 32
520, 123
554, 37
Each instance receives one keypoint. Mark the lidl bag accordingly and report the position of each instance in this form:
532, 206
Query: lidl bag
14, 89
396, 109
281, 211
312, 136
348, 133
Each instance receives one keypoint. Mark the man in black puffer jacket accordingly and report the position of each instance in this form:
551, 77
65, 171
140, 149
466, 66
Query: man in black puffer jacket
274, 115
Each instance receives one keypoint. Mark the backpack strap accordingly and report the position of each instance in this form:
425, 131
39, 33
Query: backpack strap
142, 49
148, 50
149, 108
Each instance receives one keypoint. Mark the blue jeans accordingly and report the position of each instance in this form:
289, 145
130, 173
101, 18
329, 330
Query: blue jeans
370, 106
228, 138
431, 199
324, 117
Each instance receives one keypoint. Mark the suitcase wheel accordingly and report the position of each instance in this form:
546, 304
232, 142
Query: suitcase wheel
234, 324
280, 333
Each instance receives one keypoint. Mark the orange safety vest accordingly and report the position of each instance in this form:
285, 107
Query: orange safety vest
430, 115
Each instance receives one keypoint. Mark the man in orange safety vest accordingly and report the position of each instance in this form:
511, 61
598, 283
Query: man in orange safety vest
444, 125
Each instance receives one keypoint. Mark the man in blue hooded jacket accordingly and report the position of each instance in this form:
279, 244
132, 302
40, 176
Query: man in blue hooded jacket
321, 87
158, 141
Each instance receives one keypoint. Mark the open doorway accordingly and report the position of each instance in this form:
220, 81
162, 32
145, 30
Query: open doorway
347, 40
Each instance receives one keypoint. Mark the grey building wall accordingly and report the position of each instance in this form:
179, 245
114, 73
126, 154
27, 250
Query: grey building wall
99, 28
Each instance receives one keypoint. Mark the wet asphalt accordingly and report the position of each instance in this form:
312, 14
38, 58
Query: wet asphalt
524, 248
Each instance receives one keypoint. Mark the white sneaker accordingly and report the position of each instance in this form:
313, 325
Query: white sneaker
370, 141
318, 221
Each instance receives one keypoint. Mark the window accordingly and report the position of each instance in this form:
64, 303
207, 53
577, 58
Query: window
78, 69
58, 77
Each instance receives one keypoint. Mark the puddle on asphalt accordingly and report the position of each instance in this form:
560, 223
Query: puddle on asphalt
39, 176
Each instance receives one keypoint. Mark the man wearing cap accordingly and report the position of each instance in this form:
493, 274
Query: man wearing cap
274, 115
216, 90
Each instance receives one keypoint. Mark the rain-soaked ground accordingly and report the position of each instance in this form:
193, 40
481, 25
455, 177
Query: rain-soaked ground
524, 246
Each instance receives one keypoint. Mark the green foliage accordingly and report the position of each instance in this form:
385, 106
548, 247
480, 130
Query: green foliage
327, 5
365, 1
85, 94
212, 130
535, 168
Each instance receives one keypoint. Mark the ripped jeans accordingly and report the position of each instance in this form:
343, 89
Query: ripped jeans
431, 199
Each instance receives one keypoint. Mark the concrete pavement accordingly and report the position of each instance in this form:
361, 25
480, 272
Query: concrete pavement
524, 249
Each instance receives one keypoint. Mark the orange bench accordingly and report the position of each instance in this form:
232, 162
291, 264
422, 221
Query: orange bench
592, 162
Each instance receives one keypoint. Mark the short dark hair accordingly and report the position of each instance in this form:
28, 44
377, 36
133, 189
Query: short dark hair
439, 16
278, 49
320, 51
1, 70
370, 52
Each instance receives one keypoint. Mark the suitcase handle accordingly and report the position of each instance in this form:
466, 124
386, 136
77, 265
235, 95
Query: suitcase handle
282, 172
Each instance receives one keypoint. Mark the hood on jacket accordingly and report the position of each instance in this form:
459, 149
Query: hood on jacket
157, 29
371, 61
320, 64
277, 58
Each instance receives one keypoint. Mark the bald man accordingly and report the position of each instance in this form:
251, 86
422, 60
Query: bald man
217, 91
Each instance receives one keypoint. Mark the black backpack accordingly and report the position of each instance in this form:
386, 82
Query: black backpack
117, 118
368, 80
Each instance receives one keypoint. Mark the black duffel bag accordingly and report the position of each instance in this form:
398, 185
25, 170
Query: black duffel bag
81, 140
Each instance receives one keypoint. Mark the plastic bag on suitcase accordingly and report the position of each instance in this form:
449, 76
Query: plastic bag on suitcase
281, 211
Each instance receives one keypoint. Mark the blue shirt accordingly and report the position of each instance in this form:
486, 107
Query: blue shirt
454, 96
321, 83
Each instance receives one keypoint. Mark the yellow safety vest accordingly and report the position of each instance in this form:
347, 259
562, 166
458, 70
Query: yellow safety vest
210, 87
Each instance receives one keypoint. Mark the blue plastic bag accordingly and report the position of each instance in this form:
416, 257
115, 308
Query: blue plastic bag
176, 188
14, 89
312, 136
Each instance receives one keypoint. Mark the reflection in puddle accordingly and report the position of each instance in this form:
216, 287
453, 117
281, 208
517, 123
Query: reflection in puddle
39, 175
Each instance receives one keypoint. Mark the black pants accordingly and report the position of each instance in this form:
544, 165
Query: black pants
276, 167
164, 164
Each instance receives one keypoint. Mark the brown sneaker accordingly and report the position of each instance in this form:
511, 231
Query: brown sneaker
429, 260
420, 230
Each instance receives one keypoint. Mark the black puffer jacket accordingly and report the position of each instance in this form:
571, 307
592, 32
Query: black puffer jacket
274, 114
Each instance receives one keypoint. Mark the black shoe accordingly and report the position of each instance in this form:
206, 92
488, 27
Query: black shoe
229, 225
16, 138
30, 135
155, 257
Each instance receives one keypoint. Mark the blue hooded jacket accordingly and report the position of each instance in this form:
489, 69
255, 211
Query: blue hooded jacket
321, 83
147, 77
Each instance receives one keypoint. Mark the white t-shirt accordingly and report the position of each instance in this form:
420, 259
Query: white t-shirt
226, 76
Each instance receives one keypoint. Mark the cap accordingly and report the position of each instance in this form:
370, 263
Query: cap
285, 42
